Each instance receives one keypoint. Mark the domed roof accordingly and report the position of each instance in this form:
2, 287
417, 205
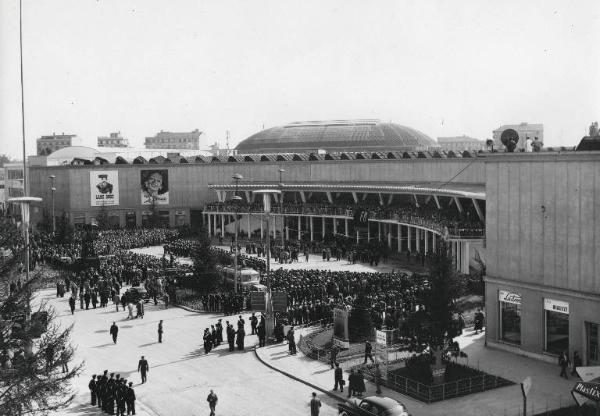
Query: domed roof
336, 136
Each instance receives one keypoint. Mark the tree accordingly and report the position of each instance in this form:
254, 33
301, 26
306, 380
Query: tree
32, 351
4, 159
206, 275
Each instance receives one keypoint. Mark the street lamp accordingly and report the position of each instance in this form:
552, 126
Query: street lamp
270, 317
236, 177
53, 189
281, 171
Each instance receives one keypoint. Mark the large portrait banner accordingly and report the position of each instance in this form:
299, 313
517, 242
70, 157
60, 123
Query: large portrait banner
154, 186
104, 187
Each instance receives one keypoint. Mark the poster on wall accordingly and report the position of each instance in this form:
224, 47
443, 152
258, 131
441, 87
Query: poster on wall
154, 186
104, 187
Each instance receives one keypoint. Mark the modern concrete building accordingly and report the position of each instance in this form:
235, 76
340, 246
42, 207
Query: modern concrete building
49, 144
524, 133
461, 143
114, 140
543, 254
169, 140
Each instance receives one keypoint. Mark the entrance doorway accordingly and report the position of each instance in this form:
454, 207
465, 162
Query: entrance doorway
592, 336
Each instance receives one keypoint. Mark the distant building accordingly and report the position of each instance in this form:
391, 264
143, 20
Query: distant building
49, 144
13, 185
526, 133
460, 143
114, 140
168, 140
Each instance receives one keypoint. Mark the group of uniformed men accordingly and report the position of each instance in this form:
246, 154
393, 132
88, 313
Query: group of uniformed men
107, 391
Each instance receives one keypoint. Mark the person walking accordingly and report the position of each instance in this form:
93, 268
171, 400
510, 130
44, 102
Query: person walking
92, 387
166, 298
72, 304
338, 377
315, 405
114, 331
368, 352
212, 400
143, 368
160, 331
333, 355
291, 341
564, 362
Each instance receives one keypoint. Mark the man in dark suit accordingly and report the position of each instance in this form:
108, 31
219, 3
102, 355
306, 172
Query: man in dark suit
130, 399
114, 331
143, 368
160, 331
92, 387
230, 336
338, 378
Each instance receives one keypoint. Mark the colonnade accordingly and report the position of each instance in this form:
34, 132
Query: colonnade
399, 236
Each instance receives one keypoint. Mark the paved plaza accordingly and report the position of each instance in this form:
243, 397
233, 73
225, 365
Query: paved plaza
267, 381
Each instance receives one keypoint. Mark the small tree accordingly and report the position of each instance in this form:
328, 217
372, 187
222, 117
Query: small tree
35, 352
206, 275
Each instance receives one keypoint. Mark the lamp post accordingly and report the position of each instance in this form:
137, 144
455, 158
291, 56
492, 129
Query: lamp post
270, 317
53, 189
236, 177
281, 171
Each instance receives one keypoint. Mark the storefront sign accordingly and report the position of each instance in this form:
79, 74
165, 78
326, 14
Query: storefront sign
509, 297
588, 390
381, 337
556, 306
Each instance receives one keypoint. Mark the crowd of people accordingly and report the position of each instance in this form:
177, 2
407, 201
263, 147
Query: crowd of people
112, 394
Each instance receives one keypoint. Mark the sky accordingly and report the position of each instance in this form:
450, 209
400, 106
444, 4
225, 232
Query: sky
444, 67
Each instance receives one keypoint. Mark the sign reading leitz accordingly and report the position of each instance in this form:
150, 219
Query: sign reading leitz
104, 187
154, 186
509, 297
556, 306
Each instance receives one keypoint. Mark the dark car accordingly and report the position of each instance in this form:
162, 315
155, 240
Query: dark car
134, 294
372, 406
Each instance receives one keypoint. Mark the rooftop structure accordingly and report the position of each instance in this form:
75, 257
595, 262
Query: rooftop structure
114, 140
170, 140
337, 136
49, 144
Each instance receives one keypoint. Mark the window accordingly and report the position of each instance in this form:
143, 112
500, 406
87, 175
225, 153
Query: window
593, 339
510, 317
557, 325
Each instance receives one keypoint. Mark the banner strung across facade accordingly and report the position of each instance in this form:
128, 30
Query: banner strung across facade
154, 186
104, 187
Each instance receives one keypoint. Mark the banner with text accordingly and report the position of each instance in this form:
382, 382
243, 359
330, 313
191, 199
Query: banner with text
104, 187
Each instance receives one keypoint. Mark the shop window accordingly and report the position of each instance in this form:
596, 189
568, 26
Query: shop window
510, 317
593, 341
557, 325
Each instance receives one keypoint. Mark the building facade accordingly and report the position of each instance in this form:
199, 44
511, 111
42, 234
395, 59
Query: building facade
49, 144
460, 143
169, 140
114, 140
543, 254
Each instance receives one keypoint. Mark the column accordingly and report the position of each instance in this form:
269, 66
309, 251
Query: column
426, 241
346, 227
287, 233
409, 237
274, 228
433, 238
357, 238
222, 225
399, 238
368, 231
262, 230
334, 225
465, 256
209, 225
248, 223
322, 228
418, 238
312, 229
389, 236
299, 227
379, 230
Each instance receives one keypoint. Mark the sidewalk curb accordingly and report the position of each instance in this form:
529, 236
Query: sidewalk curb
322, 390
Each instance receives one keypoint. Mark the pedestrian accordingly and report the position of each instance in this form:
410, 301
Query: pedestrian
291, 341
360, 383
351, 383
92, 387
377, 379
130, 309
261, 332
114, 331
212, 400
230, 336
315, 405
87, 299
368, 352
166, 298
253, 323
116, 301
577, 362
241, 334
338, 378
333, 358
94, 299
478, 321
143, 368
130, 399
564, 362
160, 331
72, 304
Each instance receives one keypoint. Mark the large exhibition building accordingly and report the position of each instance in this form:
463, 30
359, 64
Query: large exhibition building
530, 217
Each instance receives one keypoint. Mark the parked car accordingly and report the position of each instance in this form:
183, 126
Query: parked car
372, 406
134, 294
